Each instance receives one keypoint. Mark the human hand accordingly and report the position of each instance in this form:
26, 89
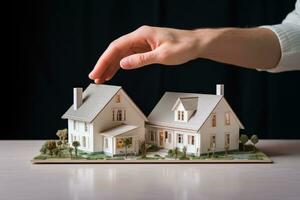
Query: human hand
144, 46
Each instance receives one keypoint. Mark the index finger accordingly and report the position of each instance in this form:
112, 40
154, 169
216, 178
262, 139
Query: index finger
111, 57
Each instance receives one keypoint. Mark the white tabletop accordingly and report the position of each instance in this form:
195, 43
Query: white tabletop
19, 179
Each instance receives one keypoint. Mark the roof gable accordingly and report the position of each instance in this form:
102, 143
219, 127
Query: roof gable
188, 103
95, 98
162, 114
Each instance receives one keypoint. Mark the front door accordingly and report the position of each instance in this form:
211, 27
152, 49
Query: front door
161, 138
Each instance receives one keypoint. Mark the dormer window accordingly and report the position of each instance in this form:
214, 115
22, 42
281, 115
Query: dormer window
180, 115
184, 108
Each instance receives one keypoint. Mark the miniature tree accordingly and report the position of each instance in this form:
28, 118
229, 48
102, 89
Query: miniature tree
176, 153
64, 135
51, 145
59, 134
127, 143
244, 139
43, 149
75, 144
254, 140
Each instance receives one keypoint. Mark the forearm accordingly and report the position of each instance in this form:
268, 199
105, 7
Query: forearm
248, 47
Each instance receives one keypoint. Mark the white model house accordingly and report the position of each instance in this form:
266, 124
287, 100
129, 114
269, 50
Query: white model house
101, 118
200, 122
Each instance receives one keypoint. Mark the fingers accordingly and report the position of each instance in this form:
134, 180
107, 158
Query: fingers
139, 60
110, 59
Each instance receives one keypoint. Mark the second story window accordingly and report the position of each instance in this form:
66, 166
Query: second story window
85, 127
118, 99
74, 125
119, 114
227, 118
214, 120
180, 115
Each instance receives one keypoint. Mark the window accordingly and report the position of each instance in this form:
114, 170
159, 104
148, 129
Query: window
83, 141
106, 143
227, 118
85, 127
119, 115
113, 115
214, 120
180, 138
118, 99
191, 139
166, 136
180, 115
74, 125
169, 138
152, 136
227, 139
121, 144
212, 141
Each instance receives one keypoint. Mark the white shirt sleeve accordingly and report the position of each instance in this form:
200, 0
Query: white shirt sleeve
288, 34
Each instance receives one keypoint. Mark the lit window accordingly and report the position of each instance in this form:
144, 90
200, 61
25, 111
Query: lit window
214, 120
120, 143
191, 140
106, 143
227, 118
180, 138
118, 99
212, 141
83, 141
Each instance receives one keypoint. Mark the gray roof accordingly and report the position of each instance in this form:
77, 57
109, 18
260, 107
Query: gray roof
95, 98
162, 114
189, 103
118, 130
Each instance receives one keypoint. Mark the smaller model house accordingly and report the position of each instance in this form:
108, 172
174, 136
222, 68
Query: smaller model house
200, 122
102, 117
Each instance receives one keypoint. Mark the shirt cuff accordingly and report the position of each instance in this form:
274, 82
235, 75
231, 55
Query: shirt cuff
288, 35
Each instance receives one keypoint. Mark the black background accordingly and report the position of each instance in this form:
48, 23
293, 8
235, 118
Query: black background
56, 44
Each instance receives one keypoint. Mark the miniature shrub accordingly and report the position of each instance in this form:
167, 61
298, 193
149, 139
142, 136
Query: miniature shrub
170, 152
184, 158
153, 147
40, 157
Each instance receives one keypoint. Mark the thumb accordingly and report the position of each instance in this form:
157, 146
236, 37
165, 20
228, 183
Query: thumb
139, 60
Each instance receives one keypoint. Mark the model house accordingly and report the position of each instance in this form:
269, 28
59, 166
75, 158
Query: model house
200, 122
102, 117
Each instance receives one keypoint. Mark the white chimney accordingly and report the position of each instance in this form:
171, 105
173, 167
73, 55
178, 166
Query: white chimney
77, 98
220, 89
